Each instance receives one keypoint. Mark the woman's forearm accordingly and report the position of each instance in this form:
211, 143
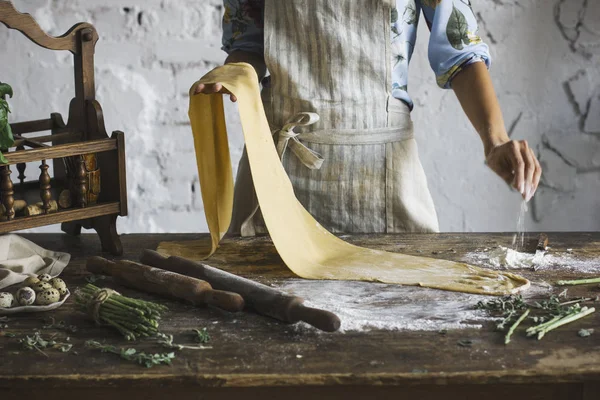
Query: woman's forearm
514, 161
254, 59
475, 91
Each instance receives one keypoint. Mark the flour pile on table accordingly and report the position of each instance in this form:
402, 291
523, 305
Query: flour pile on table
509, 258
364, 306
506, 258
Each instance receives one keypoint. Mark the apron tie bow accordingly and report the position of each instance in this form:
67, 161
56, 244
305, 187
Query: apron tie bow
288, 138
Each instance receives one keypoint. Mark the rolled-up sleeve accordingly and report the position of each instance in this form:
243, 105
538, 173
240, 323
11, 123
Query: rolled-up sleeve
243, 26
453, 43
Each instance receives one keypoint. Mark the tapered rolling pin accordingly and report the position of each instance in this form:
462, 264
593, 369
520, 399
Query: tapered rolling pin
166, 283
261, 298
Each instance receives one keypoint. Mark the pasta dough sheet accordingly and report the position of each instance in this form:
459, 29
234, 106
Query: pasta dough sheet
308, 249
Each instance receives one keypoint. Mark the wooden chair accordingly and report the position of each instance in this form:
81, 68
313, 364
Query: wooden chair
80, 150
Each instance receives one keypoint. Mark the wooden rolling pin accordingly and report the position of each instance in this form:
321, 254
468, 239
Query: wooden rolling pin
158, 281
263, 299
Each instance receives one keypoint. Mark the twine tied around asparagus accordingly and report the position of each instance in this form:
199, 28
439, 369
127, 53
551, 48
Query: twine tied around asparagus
95, 302
132, 317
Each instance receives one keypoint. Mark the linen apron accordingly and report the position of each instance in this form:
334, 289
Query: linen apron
355, 166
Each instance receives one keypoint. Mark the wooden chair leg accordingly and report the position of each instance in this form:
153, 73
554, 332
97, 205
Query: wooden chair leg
106, 226
72, 228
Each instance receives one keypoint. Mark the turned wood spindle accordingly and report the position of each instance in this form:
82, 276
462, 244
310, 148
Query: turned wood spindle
45, 193
80, 182
6, 189
21, 167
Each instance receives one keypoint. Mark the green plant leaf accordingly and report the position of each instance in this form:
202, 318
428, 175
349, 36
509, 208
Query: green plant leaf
129, 352
585, 332
4, 105
5, 89
394, 15
457, 29
65, 348
202, 336
6, 141
6, 136
3, 159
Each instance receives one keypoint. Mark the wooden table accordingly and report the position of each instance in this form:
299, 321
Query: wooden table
255, 357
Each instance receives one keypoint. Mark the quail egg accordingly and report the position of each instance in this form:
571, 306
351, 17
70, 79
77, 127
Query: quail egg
47, 297
59, 285
6, 300
25, 296
41, 286
44, 277
31, 280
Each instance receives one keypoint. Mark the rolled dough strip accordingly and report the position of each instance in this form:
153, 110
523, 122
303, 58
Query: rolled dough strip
305, 246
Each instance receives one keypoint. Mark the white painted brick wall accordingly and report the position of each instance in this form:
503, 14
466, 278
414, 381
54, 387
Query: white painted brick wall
546, 69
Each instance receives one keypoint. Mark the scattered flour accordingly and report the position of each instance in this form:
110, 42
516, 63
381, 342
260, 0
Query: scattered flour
505, 258
364, 306
519, 238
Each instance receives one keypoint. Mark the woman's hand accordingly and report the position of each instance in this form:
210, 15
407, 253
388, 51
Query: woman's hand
210, 89
516, 163
256, 60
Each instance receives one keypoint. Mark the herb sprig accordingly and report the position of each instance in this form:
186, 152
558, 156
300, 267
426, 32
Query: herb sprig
201, 336
550, 313
131, 354
37, 342
61, 325
504, 304
166, 340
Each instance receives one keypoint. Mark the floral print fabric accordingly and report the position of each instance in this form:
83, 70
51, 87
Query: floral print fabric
453, 42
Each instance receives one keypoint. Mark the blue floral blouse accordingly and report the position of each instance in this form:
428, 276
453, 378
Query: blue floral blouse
453, 43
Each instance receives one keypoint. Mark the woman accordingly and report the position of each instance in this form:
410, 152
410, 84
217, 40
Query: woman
357, 168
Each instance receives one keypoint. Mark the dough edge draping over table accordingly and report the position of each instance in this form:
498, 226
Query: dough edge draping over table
308, 249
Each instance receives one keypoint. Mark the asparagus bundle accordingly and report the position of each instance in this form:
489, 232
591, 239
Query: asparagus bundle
132, 317
573, 314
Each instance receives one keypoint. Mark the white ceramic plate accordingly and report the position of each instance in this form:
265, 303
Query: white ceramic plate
34, 308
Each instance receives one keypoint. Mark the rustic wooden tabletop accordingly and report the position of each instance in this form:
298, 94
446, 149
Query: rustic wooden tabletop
257, 357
